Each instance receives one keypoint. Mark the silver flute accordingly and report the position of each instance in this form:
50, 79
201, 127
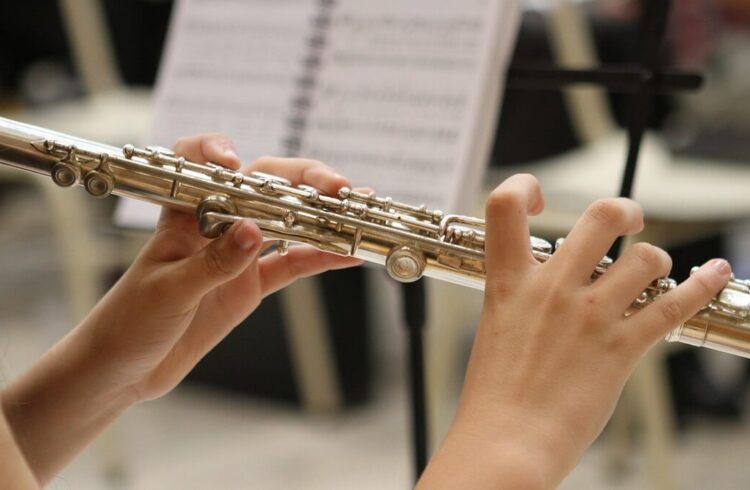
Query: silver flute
410, 241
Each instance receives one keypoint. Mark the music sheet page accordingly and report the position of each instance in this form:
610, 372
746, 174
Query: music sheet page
403, 90
399, 95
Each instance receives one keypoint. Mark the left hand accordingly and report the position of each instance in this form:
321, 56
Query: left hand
184, 293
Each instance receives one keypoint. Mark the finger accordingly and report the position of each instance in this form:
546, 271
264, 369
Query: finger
211, 147
593, 235
301, 171
507, 234
631, 274
177, 234
212, 323
218, 262
175, 238
196, 342
276, 271
679, 305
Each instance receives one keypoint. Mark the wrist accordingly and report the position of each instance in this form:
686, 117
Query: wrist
465, 461
60, 404
513, 443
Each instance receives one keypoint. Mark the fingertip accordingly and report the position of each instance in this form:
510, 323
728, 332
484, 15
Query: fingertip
220, 149
712, 276
536, 199
635, 210
339, 181
719, 268
537, 206
325, 179
518, 193
231, 157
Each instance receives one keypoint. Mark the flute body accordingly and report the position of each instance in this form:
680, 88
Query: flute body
409, 241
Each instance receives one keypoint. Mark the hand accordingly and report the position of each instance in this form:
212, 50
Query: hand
181, 296
553, 350
184, 293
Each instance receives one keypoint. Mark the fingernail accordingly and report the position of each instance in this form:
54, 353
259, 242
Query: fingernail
720, 265
243, 237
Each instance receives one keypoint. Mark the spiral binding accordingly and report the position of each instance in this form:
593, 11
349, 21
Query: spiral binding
306, 83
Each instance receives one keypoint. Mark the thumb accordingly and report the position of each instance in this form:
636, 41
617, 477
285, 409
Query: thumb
220, 261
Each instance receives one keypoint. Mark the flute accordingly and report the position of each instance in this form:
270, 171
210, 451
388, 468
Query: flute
409, 241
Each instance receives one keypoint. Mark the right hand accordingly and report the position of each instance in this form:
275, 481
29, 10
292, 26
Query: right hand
554, 350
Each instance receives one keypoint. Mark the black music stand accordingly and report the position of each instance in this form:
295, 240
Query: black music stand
643, 81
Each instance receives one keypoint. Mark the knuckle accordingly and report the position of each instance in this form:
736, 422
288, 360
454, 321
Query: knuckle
671, 309
312, 169
552, 297
215, 140
497, 288
707, 289
652, 257
594, 310
260, 164
590, 301
218, 136
607, 212
316, 163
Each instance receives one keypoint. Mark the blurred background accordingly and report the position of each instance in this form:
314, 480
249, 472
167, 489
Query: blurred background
261, 411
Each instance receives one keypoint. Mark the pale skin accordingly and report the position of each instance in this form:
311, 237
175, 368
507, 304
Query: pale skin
553, 351
529, 408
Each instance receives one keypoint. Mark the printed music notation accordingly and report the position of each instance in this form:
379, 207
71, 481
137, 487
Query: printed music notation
393, 93
399, 95
229, 66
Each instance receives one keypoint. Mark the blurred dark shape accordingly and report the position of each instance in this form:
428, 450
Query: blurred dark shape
35, 58
34, 52
720, 142
138, 29
695, 395
534, 125
47, 81
255, 357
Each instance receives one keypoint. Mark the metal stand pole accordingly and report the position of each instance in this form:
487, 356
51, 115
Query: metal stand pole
414, 316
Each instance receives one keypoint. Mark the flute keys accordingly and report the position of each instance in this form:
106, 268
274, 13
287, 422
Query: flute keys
98, 184
215, 215
65, 174
405, 264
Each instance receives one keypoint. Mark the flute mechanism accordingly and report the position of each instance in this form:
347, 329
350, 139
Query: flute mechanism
410, 241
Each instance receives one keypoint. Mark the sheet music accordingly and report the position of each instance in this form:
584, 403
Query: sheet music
401, 91
230, 67
399, 95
